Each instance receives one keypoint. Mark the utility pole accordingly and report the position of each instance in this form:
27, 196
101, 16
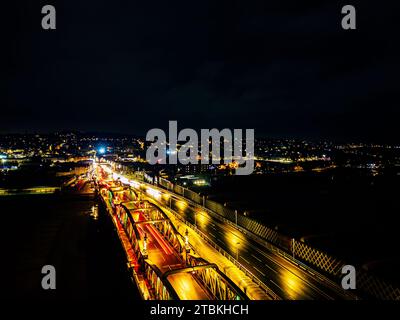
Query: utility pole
236, 218
293, 247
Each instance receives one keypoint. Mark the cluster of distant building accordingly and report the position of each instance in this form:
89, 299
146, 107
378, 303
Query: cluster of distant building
271, 155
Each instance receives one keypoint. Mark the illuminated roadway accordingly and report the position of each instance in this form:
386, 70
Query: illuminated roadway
285, 278
164, 256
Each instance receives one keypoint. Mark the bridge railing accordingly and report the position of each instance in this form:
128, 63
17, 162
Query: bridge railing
241, 267
281, 244
234, 216
162, 289
272, 240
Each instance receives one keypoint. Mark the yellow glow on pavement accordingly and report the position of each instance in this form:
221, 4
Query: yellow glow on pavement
232, 239
291, 283
166, 196
182, 205
202, 218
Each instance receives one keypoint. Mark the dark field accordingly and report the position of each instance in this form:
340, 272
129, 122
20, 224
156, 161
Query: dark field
72, 235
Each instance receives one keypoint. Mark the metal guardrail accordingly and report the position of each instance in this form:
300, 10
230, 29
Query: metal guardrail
245, 222
250, 234
262, 242
241, 267
223, 219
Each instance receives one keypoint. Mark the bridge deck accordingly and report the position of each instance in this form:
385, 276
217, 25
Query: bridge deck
160, 251
187, 287
165, 258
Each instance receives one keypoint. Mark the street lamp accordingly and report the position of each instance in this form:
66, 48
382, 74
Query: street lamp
236, 217
293, 247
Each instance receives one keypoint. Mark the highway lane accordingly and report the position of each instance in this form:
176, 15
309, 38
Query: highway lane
286, 279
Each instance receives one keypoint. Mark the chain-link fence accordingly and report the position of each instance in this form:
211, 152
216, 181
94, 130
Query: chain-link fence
330, 265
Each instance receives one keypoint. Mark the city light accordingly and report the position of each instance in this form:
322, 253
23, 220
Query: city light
200, 182
223, 151
152, 222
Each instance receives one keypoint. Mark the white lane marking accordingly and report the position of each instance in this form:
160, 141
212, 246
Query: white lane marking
260, 271
244, 259
256, 257
276, 284
271, 268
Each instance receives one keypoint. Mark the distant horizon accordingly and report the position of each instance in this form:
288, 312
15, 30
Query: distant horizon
257, 136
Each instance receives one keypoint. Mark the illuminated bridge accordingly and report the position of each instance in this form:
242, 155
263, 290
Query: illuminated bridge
163, 263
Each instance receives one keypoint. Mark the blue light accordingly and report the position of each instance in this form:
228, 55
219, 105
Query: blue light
102, 150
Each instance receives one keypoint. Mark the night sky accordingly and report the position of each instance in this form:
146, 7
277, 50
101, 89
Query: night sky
285, 68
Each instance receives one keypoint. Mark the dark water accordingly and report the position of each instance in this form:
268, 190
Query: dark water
76, 238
